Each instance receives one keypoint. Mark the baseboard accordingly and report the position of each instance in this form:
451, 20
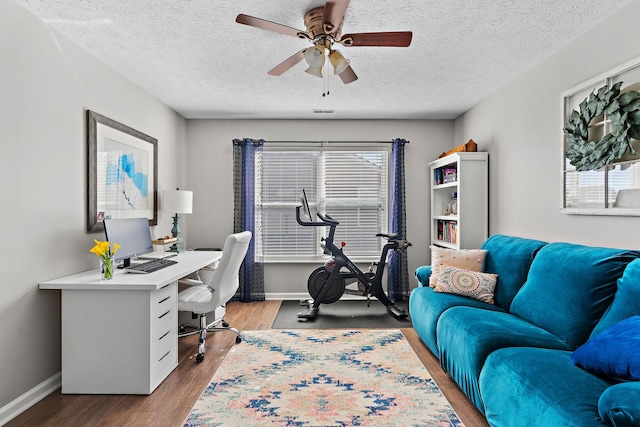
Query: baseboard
30, 398
285, 296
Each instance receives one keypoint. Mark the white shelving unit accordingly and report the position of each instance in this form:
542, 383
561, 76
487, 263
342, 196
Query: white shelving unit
467, 175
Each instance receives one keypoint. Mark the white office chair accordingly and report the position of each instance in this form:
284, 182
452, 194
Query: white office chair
215, 287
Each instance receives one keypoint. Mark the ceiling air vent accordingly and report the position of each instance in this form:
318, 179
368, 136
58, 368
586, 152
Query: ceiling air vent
323, 111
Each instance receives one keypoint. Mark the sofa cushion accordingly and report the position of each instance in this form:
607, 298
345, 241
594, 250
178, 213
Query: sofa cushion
469, 259
614, 352
466, 336
539, 387
618, 406
510, 258
426, 306
626, 301
569, 287
467, 283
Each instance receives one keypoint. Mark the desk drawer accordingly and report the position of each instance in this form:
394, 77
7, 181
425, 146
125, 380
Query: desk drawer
163, 299
164, 333
160, 369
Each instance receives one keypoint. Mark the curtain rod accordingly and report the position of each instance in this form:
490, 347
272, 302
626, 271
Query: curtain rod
332, 142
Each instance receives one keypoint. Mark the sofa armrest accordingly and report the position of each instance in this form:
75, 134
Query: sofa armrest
422, 275
618, 405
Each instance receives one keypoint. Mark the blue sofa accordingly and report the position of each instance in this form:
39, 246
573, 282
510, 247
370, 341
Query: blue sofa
516, 359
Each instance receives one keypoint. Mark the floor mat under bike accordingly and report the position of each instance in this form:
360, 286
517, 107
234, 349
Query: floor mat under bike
346, 314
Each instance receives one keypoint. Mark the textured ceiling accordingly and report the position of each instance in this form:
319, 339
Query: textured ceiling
192, 56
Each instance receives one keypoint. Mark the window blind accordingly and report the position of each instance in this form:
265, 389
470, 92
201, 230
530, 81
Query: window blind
348, 184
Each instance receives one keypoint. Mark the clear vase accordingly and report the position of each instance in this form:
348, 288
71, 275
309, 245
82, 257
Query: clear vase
106, 268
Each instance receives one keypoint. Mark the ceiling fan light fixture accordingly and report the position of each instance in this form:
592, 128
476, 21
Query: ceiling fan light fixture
314, 56
339, 62
314, 71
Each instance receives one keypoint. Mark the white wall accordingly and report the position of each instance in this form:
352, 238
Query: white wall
210, 176
46, 83
521, 126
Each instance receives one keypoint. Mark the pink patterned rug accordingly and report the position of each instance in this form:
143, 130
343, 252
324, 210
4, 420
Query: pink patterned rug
326, 377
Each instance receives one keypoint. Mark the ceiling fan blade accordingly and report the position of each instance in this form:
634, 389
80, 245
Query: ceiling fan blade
389, 39
333, 15
348, 75
287, 63
271, 26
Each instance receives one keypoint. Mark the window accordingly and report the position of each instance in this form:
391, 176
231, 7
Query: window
348, 183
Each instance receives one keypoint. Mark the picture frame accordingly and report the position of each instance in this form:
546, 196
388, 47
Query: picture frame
122, 172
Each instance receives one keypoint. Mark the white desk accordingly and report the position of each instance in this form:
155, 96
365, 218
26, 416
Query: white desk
120, 336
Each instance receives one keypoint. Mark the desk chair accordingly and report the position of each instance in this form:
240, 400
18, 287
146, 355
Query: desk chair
215, 287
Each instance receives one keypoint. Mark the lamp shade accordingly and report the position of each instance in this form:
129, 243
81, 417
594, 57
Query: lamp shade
314, 56
314, 71
339, 62
177, 201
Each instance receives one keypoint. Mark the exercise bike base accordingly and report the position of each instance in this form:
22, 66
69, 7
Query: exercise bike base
311, 313
397, 312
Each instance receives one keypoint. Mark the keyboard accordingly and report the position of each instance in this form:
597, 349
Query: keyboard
150, 266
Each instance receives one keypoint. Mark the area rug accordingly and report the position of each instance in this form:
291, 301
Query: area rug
344, 314
322, 378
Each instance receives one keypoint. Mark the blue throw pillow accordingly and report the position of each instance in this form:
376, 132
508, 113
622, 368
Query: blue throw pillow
614, 352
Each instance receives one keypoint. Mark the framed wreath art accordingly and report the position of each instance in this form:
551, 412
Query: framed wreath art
601, 144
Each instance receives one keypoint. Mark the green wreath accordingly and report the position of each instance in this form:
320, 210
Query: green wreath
624, 113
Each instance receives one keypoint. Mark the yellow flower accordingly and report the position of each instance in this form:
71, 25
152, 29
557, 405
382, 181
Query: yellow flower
102, 249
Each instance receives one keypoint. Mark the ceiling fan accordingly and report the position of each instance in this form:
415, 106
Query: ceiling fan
324, 30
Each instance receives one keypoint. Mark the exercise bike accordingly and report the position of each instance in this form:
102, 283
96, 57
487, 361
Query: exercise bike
328, 283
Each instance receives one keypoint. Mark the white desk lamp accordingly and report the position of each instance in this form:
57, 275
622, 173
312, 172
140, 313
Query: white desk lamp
179, 202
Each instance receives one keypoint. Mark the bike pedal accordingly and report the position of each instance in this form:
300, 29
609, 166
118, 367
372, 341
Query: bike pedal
397, 312
312, 313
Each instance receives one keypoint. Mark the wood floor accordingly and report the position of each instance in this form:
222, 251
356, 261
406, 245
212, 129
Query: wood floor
170, 403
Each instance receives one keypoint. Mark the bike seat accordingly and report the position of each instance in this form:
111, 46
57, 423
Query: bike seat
387, 236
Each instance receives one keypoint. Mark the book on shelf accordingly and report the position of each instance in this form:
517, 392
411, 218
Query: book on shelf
438, 176
448, 231
445, 174
449, 175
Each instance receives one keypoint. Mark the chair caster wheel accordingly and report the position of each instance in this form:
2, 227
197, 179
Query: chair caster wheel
238, 340
225, 324
199, 357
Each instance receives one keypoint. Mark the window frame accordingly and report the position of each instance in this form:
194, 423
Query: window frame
603, 177
321, 203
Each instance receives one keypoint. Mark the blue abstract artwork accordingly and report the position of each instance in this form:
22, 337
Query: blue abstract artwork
126, 176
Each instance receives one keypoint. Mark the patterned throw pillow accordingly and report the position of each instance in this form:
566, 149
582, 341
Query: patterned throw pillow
467, 283
468, 259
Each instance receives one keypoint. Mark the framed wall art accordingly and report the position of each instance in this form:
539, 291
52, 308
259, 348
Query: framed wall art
122, 172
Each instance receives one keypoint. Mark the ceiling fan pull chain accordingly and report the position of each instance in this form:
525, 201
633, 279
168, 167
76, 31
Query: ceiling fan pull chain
325, 82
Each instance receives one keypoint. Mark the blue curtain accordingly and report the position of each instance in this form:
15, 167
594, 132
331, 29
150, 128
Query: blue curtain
398, 269
246, 172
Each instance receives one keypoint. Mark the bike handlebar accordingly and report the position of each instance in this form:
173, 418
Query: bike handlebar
325, 221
